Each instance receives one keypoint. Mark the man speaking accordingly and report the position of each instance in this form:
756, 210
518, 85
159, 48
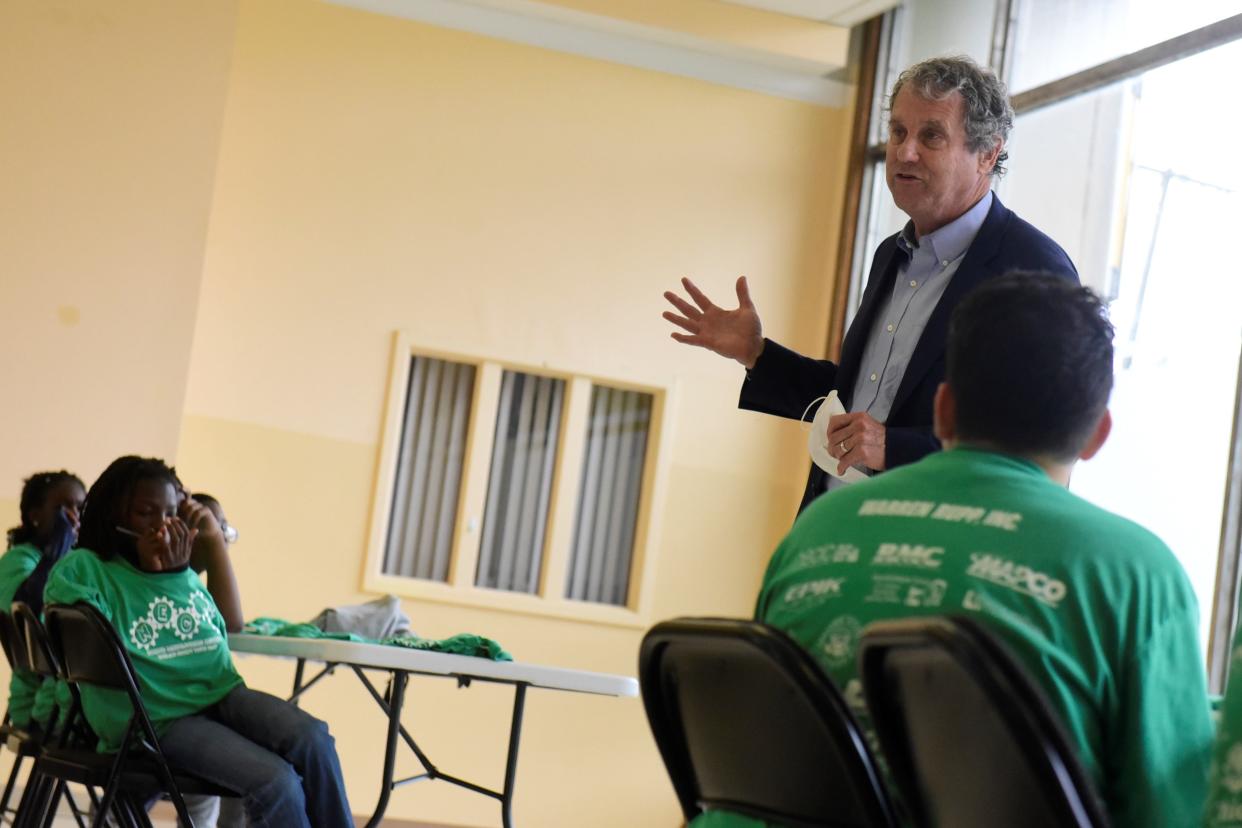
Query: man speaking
949, 120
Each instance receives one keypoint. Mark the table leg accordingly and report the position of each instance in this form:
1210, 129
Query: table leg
515, 734
297, 681
395, 703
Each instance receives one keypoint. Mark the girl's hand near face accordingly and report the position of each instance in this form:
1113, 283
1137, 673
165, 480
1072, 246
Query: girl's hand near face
209, 545
167, 547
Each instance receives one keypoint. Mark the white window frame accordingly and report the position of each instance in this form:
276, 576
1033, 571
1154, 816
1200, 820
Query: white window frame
548, 600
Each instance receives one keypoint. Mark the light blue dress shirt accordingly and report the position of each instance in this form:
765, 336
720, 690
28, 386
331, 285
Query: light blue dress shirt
922, 276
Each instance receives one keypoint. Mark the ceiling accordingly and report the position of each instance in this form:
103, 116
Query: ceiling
789, 48
835, 12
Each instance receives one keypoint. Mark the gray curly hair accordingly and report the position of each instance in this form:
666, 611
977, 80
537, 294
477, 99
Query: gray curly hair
988, 113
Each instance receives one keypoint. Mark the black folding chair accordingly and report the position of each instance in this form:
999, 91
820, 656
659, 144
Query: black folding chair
23, 743
90, 652
42, 794
747, 722
969, 739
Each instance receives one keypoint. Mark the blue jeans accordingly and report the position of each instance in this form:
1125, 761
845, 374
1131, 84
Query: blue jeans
279, 758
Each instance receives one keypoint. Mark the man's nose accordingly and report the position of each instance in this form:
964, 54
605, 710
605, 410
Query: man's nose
907, 151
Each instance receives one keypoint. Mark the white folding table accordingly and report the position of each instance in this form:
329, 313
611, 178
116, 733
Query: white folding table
400, 663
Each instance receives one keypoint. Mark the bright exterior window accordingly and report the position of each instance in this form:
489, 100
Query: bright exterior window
1056, 38
514, 488
1151, 214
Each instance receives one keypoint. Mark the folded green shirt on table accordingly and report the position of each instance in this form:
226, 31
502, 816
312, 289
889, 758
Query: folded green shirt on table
465, 644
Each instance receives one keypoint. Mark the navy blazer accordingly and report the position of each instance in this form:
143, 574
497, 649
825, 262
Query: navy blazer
784, 383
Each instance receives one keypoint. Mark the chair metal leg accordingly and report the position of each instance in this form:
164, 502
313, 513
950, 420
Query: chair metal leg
8, 787
54, 803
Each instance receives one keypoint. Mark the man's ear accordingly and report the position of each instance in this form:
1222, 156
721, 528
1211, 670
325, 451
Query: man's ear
1098, 437
944, 414
987, 159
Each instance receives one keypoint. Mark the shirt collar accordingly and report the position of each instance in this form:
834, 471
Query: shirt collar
952, 240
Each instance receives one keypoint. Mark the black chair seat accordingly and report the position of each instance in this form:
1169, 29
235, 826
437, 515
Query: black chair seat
91, 768
22, 742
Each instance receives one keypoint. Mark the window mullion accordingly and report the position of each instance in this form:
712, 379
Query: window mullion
475, 470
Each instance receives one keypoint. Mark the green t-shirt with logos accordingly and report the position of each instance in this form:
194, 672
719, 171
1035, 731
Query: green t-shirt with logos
171, 628
1098, 609
1224, 808
15, 567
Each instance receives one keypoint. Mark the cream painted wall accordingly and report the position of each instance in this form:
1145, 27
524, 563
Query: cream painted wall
378, 175
112, 113
373, 175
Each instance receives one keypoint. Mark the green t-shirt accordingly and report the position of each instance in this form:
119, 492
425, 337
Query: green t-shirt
171, 628
1098, 609
15, 567
1224, 808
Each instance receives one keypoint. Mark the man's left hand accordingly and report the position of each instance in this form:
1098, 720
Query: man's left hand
856, 440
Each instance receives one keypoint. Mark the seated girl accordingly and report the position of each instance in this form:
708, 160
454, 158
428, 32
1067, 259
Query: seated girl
50, 505
133, 565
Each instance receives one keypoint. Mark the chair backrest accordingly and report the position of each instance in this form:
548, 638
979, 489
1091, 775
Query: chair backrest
969, 739
747, 722
13, 646
32, 637
90, 650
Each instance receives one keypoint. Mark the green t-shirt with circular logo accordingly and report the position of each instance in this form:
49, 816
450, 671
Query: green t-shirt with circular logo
171, 628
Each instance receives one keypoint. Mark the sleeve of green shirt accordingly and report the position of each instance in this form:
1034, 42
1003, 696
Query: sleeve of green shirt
69, 582
1163, 735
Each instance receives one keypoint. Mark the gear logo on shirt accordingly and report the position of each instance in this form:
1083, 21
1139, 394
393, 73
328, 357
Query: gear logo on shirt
163, 614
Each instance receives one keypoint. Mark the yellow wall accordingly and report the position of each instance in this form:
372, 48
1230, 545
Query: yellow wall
374, 175
112, 113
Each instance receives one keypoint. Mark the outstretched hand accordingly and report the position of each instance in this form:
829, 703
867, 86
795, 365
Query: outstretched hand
736, 334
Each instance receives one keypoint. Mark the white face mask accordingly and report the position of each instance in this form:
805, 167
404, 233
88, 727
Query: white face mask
817, 439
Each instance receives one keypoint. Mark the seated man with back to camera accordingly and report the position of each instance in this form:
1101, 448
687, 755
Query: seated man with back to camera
1097, 608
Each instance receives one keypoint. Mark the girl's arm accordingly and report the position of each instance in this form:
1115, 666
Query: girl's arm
211, 555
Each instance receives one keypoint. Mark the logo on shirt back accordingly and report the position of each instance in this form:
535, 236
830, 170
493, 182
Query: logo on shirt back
836, 646
908, 554
1017, 577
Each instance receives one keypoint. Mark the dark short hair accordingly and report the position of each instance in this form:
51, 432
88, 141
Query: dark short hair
1030, 364
206, 499
986, 111
108, 499
35, 490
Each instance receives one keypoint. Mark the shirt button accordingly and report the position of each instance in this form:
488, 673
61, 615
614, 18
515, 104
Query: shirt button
873, 377
890, 328
944, 263
913, 283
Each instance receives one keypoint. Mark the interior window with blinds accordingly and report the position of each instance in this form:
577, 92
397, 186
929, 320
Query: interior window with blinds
527, 489
429, 468
519, 490
612, 473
